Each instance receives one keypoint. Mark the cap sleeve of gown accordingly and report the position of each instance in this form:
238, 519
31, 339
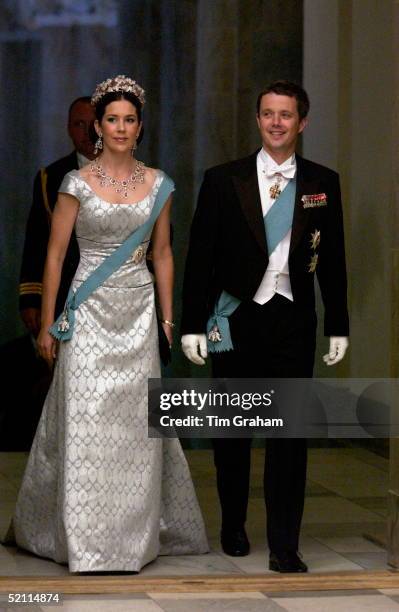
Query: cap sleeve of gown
71, 184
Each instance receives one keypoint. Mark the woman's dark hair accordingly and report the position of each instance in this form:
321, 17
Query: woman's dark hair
113, 96
287, 88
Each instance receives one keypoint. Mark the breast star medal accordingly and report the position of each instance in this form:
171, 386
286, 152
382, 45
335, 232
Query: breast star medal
275, 190
315, 239
313, 263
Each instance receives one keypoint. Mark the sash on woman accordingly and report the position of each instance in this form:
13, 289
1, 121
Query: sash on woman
62, 329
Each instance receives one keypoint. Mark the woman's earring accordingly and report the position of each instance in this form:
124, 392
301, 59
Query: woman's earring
134, 147
99, 145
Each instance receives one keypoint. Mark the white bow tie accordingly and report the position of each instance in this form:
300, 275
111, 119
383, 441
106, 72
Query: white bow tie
287, 170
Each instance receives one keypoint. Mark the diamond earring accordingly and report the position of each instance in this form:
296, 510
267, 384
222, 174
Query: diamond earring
99, 145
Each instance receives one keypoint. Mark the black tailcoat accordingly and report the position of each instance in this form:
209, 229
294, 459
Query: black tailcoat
228, 249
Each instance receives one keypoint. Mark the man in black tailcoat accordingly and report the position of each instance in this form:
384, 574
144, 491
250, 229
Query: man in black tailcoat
273, 330
45, 192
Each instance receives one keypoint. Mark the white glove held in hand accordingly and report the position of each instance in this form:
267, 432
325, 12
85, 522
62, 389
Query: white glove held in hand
338, 346
194, 347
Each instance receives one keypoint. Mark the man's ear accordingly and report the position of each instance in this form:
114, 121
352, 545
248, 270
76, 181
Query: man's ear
302, 124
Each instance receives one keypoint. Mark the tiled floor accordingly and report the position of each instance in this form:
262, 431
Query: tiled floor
345, 504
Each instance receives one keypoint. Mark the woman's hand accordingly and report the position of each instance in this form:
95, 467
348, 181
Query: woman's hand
47, 346
168, 333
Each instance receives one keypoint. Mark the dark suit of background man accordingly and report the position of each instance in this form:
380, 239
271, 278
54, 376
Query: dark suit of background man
45, 192
274, 328
17, 428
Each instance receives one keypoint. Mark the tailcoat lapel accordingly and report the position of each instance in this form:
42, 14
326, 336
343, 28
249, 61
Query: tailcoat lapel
245, 182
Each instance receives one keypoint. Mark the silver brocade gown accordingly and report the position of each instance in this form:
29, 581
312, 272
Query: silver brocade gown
97, 493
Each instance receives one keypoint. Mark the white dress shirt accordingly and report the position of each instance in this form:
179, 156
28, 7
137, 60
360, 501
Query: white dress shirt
276, 278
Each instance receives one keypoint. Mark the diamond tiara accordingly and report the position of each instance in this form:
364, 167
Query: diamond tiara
120, 83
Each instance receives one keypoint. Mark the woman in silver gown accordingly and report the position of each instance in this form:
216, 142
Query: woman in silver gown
97, 493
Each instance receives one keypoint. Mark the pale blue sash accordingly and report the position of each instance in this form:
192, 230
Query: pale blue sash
278, 221
62, 329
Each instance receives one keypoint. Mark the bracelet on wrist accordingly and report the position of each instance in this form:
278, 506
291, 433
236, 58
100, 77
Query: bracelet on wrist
170, 323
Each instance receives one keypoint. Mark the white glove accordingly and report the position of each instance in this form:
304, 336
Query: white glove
338, 346
194, 347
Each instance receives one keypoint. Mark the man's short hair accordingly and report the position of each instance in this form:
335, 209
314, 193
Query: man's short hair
85, 99
287, 88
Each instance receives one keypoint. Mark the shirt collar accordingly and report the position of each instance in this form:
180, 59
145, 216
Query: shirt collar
288, 167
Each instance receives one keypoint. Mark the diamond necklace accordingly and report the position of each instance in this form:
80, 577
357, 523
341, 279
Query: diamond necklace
120, 186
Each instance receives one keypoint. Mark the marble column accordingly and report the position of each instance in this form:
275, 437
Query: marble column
321, 56
393, 493
357, 50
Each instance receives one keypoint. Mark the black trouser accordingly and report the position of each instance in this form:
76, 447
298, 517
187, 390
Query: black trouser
275, 340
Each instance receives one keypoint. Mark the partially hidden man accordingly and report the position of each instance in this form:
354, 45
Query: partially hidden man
45, 191
263, 227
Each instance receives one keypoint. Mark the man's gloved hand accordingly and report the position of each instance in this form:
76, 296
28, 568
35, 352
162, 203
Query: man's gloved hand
338, 346
194, 347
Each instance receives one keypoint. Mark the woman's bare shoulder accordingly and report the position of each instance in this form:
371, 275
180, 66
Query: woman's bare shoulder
151, 172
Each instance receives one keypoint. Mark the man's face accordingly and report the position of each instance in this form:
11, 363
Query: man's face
279, 125
82, 116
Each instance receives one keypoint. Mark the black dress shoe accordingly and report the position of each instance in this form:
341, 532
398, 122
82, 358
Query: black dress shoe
235, 542
287, 562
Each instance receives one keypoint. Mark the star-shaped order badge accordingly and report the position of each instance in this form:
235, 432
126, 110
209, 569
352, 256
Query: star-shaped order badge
315, 239
313, 263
